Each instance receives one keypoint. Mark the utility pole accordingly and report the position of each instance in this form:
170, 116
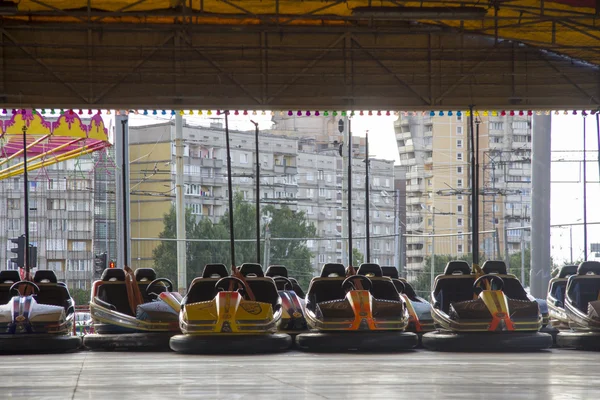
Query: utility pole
432, 250
368, 211
122, 189
230, 197
585, 241
343, 123
571, 242
474, 189
257, 195
349, 193
180, 207
398, 234
26, 196
267, 249
523, 248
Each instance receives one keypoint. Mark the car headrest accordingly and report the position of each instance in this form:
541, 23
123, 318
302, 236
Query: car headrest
391, 272
567, 271
113, 274
494, 267
333, 268
589, 266
277, 270
456, 266
370, 268
11, 276
45, 276
248, 269
215, 271
145, 274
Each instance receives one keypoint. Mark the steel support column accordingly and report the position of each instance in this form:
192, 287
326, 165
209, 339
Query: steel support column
540, 210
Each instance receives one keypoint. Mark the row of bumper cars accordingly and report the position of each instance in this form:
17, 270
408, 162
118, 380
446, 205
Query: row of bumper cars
488, 311
36, 317
231, 314
362, 312
581, 306
133, 311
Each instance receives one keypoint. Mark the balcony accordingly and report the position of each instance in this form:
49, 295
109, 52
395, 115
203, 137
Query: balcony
415, 226
415, 253
521, 145
428, 160
519, 172
406, 149
291, 170
212, 162
415, 240
414, 200
409, 161
428, 133
403, 135
412, 175
496, 146
414, 266
419, 187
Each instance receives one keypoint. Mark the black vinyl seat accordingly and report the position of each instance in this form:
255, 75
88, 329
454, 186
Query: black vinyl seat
264, 291
391, 272
144, 276
51, 291
277, 270
370, 269
297, 288
494, 267
112, 292
7, 279
324, 289
384, 289
513, 289
582, 290
333, 270
457, 267
453, 289
215, 271
252, 269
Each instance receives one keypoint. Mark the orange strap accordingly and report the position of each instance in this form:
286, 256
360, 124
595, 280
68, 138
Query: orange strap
237, 274
134, 296
352, 271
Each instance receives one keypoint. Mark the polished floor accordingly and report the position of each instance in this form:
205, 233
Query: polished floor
556, 374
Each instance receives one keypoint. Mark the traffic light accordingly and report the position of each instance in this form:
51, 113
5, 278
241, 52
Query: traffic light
19, 250
112, 264
99, 265
32, 256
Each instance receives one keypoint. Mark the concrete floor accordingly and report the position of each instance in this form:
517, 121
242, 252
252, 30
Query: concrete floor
556, 374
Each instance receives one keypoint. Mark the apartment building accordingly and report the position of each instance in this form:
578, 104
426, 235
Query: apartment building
296, 170
435, 152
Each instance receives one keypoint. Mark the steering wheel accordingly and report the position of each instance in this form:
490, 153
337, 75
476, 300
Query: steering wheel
348, 284
15, 287
166, 283
491, 278
241, 286
286, 280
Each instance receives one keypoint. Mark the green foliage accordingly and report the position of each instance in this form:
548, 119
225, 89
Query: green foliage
515, 266
357, 257
81, 296
285, 223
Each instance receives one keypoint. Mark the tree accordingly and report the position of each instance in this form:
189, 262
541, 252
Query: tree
294, 254
357, 257
81, 297
285, 223
515, 266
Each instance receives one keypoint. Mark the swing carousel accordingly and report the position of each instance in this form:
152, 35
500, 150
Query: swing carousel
66, 155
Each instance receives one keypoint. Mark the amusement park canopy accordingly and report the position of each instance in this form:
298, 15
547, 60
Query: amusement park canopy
436, 36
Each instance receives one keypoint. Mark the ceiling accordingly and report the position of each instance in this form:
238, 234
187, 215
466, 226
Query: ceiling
310, 53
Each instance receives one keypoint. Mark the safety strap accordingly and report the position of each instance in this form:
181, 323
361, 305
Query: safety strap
134, 296
235, 272
476, 269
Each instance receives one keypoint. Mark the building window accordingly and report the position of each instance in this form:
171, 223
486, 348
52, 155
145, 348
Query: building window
57, 224
496, 126
459, 222
14, 204
459, 156
459, 143
322, 192
459, 170
321, 258
459, 117
459, 183
429, 222
321, 175
244, 158
459, 130
79, 265
79, 246
459, 248
55, 265
14, 224
309, 176
33, 226
459, 197
429, 182
459, 209
56, 244
56, 204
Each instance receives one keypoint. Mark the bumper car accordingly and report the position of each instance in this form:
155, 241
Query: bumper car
133, 311
355, 313
292, 300
483, 311
230, 314
582, 308
36, 317
420, 320
556, 297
